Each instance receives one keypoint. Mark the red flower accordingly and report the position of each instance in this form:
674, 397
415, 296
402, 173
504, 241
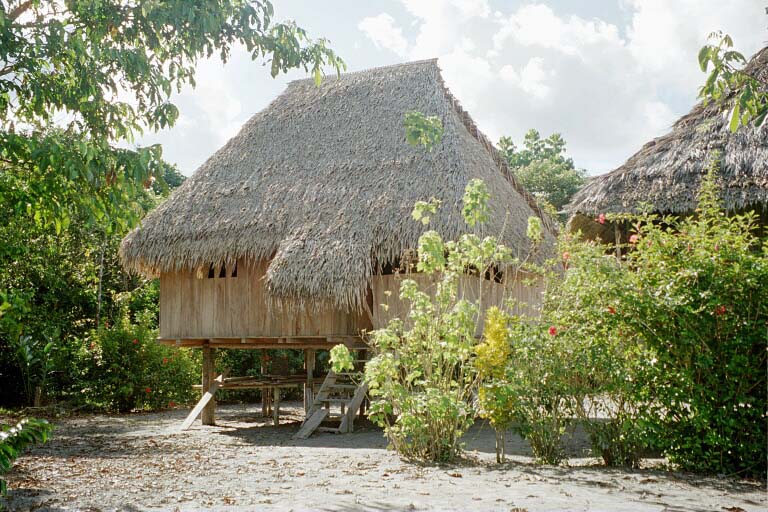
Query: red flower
552, 331
165, 360
566, 256
612, 310
601, 218
721, 310
135, 342
634, 239
148, 390
171, 404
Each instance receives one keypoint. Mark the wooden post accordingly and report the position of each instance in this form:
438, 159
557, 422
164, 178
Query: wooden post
276, 406
364, 356
208, 416
309, 365
617, 234
264, 391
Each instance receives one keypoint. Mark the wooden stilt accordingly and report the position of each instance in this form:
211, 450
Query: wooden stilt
309, 365
207, 397
276, 406
361, 413
264, 392
208, 415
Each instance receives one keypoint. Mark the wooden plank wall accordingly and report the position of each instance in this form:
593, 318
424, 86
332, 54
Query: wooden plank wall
526, 297
195, 306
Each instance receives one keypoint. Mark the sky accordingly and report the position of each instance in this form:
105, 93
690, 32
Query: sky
609, 75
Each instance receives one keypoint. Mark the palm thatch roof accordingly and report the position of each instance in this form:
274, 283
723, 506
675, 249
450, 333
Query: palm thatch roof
666, 173
322, 183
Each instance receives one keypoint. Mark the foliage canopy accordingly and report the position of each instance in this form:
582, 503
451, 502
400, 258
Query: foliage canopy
542, 167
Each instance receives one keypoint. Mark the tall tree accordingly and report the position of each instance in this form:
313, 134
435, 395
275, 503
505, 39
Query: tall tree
103, 71
543, 168
79, 80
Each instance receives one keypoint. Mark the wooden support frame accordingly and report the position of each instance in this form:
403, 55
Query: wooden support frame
309, 366
209, 370
206, 399
276, 406
291, 342
264, 392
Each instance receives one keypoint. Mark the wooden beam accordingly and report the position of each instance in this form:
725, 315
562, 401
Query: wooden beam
276, 406
309, 365
209, 371
279, 342
207, 397
264, 391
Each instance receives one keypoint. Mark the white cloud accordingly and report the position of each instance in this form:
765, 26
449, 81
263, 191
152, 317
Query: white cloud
664, 37
607, 88
608, 83
536, 25
382, 31
454, 69
533, 78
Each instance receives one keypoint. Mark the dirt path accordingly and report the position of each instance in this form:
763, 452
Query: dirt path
140, 462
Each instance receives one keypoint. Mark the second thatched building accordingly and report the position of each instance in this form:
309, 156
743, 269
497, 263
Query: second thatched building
665, 175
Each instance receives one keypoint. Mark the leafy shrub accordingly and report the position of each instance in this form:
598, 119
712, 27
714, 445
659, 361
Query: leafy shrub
125, 369
14, 439
146, 297
528, 391
663, 347
701, 305
600, 361
422, 379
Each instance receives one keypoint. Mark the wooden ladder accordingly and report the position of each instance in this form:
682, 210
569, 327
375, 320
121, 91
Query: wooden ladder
347, 391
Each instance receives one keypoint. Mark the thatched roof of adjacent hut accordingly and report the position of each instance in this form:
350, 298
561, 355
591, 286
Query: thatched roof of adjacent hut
323, 183
666, 173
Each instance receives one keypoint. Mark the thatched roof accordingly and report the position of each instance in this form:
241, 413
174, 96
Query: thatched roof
666, 172
323, 183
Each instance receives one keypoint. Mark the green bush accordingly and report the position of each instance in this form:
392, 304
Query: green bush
124, 368
599, 362
422, 379
663, 347
701, 305
15, 439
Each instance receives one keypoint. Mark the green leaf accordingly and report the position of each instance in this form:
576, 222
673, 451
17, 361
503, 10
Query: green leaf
704, 57
735, 119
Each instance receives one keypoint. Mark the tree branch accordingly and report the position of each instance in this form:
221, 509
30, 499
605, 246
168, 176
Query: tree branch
19, 10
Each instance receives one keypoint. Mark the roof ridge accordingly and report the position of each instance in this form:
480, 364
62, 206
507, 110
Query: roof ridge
471, 126
368, 70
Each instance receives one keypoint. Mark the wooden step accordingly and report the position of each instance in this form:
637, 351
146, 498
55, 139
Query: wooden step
311, 424
332, 430
344, 401
348, 421
343, 386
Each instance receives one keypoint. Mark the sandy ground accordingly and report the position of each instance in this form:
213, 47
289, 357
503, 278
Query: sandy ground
141, 462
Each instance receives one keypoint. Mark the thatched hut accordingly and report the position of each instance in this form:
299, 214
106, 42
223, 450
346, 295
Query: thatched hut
666, 173
288, 235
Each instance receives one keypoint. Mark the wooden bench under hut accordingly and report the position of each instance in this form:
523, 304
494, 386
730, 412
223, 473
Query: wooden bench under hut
289, 236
